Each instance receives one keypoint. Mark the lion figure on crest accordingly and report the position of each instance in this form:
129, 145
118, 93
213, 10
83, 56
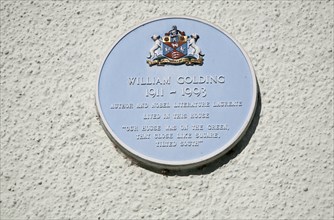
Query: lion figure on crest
192, 44
156, 46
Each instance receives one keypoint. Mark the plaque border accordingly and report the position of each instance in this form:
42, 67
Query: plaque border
185, 164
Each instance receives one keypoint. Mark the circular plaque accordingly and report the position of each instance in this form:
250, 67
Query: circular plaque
176, 92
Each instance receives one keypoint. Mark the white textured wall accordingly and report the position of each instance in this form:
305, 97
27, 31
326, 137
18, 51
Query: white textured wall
57, 162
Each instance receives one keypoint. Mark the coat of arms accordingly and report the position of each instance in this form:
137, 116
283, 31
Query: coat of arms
175, 47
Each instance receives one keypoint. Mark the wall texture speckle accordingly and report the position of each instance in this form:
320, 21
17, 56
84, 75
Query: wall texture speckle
57, 162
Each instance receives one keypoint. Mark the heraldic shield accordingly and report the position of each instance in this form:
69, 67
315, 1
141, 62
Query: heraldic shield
175, 48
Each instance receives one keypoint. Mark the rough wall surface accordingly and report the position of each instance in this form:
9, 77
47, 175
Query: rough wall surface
57, 162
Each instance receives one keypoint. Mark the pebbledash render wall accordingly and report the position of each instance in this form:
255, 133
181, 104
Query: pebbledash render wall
58, 163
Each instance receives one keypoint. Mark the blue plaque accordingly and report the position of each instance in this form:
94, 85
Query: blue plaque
176, 92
